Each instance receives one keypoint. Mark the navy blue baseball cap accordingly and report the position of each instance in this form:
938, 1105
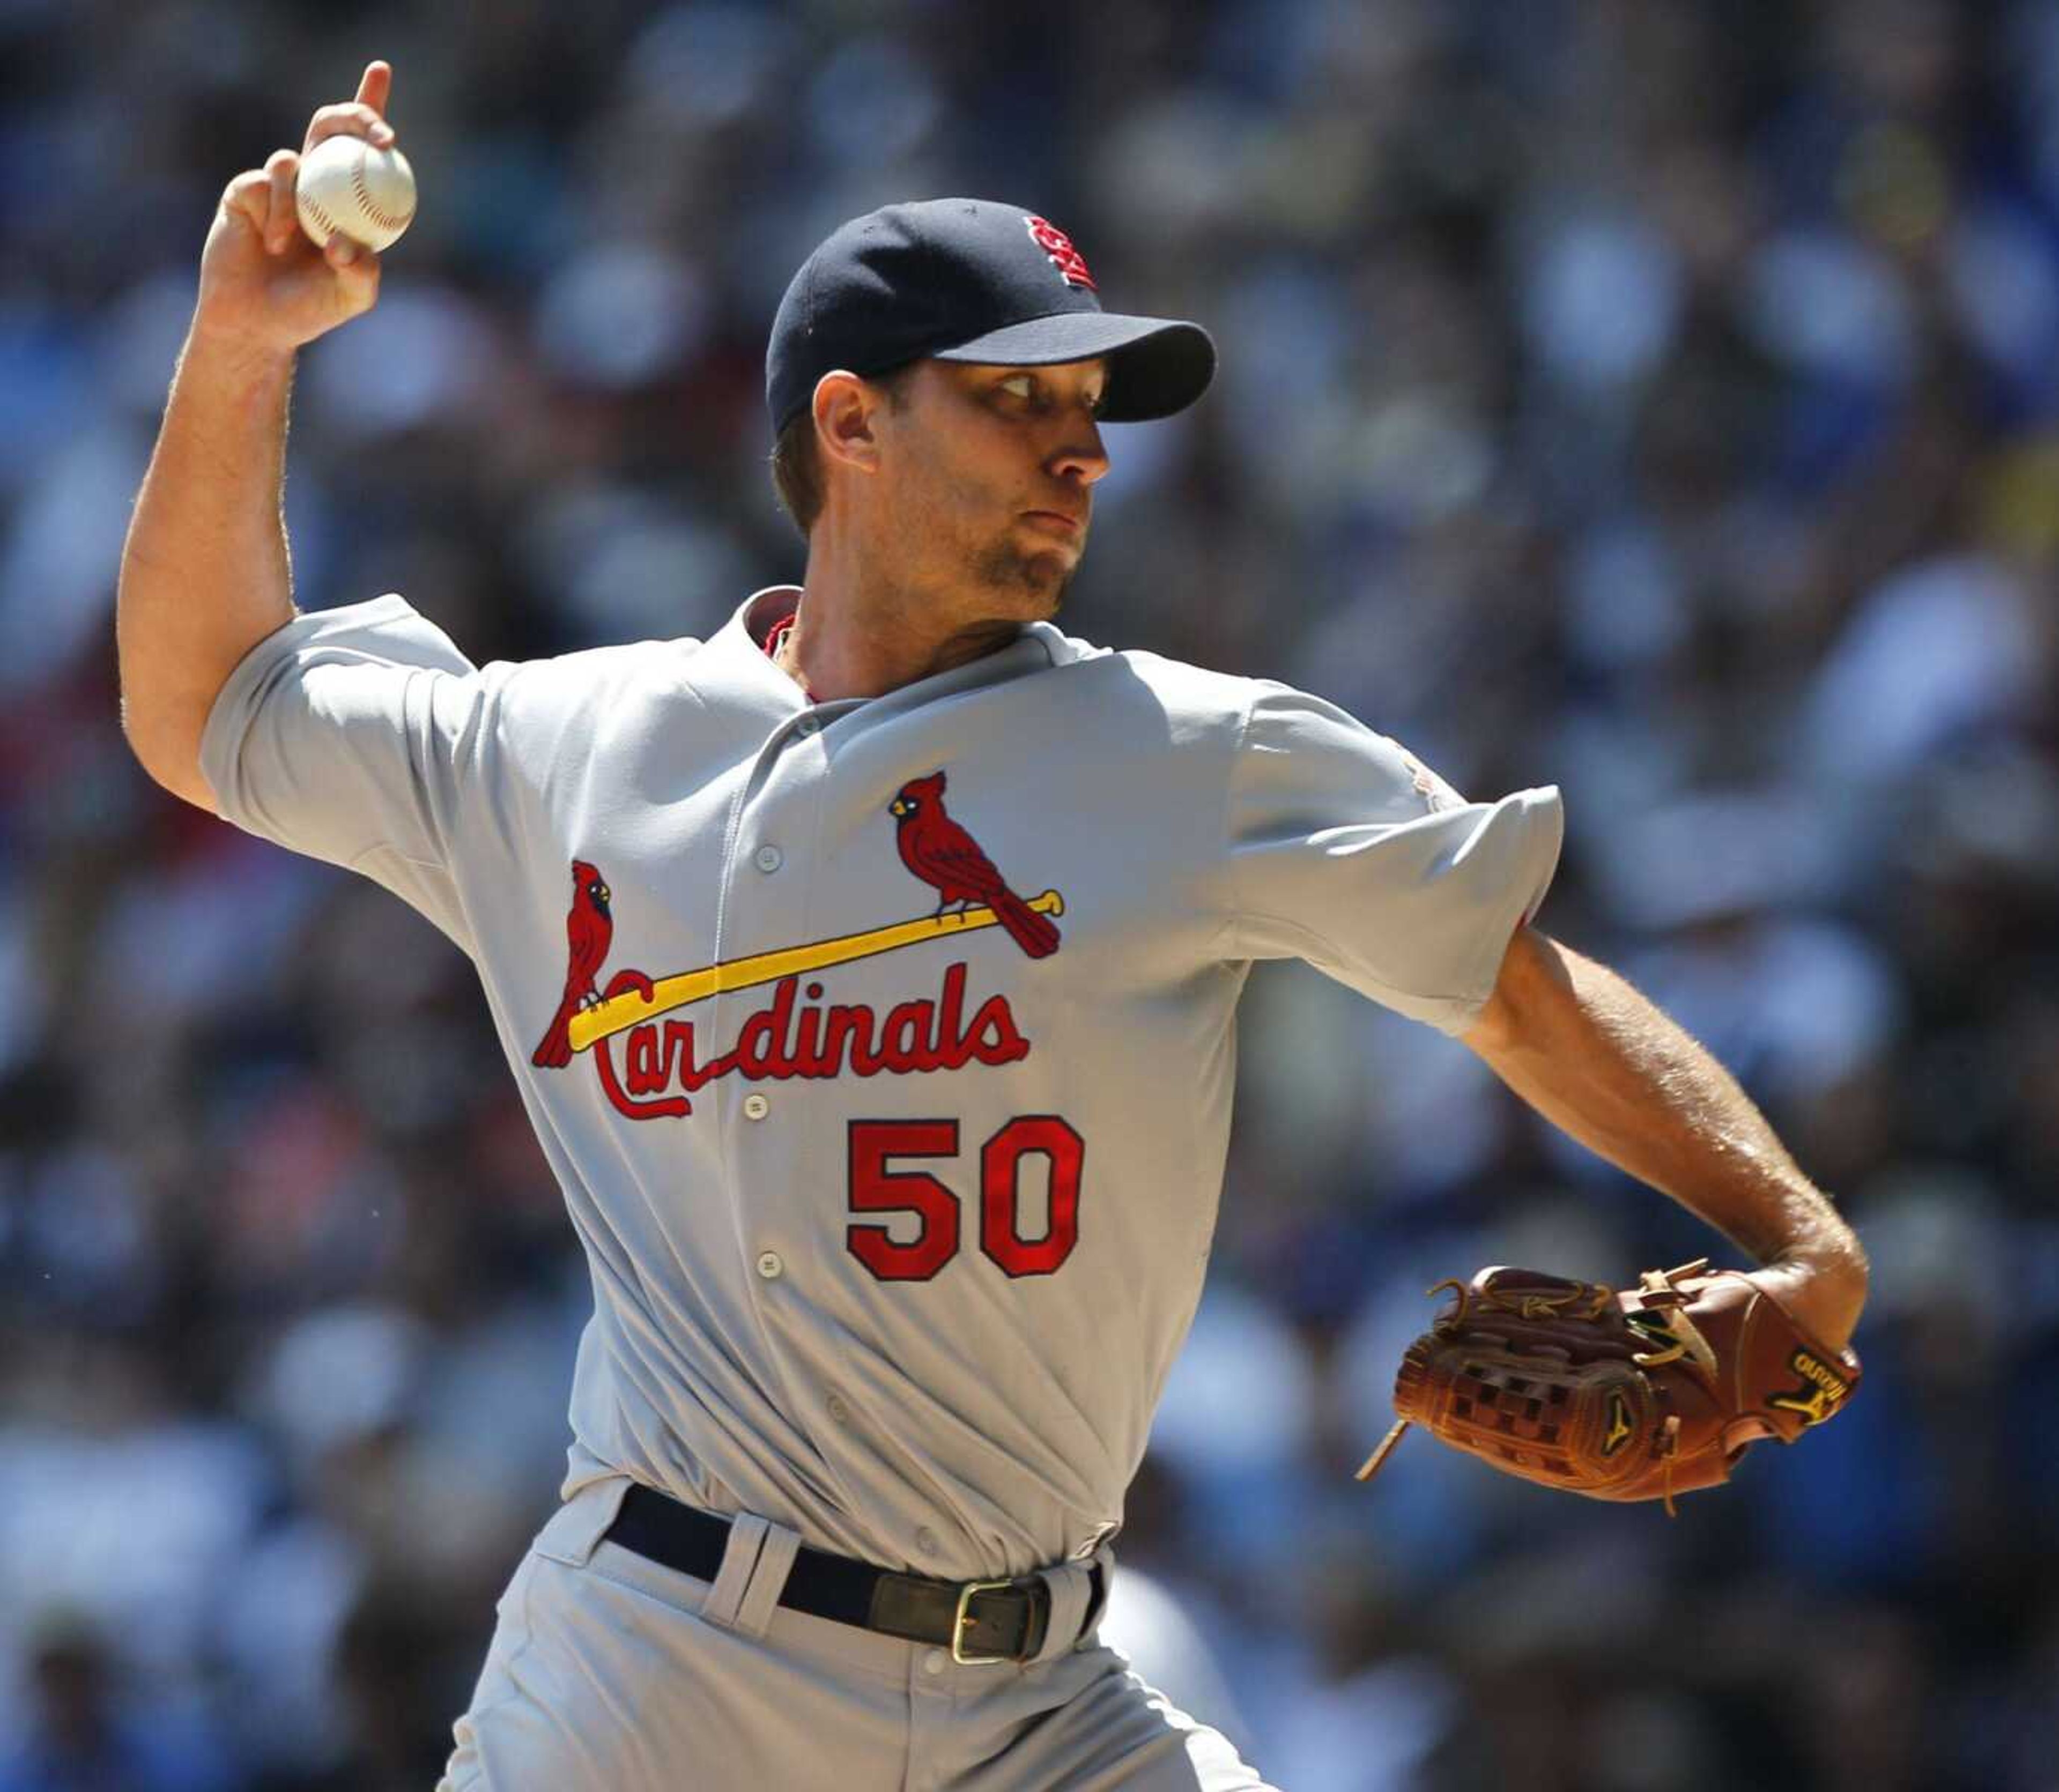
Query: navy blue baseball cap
969, 280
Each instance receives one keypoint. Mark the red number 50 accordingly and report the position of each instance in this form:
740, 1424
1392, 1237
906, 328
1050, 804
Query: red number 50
877, 1189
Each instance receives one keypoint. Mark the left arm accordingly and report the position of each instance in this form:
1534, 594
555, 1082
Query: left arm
1605, 1066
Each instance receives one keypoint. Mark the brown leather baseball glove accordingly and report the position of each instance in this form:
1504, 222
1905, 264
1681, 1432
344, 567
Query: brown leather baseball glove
1637, 1393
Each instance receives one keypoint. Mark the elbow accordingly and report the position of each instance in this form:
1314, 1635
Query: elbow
169, 757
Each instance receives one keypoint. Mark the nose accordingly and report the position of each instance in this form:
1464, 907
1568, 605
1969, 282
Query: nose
1083, 459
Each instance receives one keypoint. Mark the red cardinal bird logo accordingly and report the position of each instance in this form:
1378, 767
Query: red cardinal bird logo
942, 854
589, 930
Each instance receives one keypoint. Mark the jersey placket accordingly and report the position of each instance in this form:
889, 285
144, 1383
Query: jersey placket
765, 903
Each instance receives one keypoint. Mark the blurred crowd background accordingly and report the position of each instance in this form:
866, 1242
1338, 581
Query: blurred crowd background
1659, 398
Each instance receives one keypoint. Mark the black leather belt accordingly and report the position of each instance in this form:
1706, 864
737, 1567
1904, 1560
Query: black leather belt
979, 1620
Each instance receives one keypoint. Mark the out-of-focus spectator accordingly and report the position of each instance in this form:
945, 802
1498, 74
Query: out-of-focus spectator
84, 1732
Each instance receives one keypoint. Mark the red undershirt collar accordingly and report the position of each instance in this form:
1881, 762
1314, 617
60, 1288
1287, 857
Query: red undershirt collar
774, 636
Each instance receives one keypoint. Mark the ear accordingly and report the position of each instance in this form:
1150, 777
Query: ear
844, 405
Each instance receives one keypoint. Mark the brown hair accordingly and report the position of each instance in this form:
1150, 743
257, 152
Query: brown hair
797, 465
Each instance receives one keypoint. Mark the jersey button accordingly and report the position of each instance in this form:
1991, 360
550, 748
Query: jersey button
769, 1265
926, 1540
768, 859
839, 1411
756, 1106
806, 725
934, 1662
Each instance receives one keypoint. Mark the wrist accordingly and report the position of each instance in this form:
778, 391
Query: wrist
1823, 1284
1831, 1251
230, 355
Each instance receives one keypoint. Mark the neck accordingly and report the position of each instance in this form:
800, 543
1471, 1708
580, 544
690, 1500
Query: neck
855, 636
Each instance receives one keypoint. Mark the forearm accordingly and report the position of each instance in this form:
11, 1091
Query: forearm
205, 573
1584, 1049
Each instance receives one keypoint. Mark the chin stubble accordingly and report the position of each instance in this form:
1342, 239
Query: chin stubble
1005, 566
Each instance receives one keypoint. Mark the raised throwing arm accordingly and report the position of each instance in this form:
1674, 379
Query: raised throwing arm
205, 574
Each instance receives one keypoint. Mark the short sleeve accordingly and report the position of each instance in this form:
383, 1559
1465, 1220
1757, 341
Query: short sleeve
347, 735
1346, 851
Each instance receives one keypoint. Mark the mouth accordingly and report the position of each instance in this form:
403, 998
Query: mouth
1057, 521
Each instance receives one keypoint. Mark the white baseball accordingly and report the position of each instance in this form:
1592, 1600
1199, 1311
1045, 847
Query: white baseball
350, 188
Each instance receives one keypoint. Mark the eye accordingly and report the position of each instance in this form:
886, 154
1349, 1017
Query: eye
1021, 385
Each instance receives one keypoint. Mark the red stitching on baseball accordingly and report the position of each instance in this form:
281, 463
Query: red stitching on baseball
371, 210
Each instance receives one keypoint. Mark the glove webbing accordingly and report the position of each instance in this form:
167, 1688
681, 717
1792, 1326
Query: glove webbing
1684, 1338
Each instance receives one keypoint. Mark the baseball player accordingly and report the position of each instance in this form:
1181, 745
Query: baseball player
869, 972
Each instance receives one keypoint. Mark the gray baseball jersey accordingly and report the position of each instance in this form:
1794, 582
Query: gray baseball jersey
883, 1049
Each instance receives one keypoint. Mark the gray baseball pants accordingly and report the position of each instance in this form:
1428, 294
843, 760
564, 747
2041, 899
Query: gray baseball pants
611, 1672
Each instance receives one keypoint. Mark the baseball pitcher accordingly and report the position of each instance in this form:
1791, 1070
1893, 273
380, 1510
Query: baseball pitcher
869, 971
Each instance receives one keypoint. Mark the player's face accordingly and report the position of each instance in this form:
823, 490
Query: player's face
993, 470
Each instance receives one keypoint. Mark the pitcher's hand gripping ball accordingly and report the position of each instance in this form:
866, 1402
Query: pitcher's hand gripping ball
350, 188
1639, 1394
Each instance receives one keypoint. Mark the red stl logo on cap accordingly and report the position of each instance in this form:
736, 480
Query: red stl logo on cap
1068, 261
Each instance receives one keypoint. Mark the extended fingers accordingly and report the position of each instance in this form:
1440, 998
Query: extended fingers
353, 118
377, 86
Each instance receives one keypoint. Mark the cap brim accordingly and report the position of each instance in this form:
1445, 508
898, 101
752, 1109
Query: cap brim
1156, 365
